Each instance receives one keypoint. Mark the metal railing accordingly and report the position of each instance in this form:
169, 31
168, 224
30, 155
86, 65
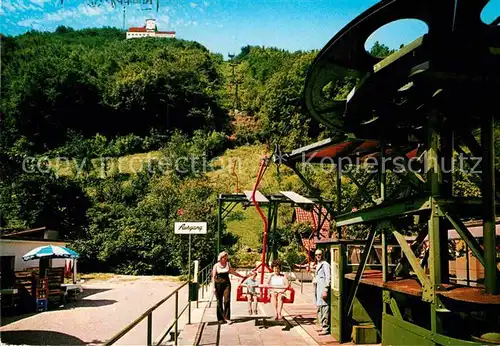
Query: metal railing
205, 279
149, 315
204, 282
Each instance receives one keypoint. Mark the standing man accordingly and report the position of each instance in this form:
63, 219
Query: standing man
322, 292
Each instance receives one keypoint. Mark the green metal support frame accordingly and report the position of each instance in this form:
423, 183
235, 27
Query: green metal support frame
338, 324
359, 273
466, 235
219, 225
440, 207
274, 250
314, 191
427, 287
406, 100
275, 200
396, 331
488, 193
385, 210
412, 177
362, 191
226, 211
338, 181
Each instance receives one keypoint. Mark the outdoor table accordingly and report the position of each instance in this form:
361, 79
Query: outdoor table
9, 297
71, 291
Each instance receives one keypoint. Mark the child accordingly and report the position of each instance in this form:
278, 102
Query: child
252, 294
279, 284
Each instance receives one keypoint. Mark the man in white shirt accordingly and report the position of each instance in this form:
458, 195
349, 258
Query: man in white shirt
322, 291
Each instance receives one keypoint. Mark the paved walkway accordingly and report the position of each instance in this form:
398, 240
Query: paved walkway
105, 308
297, 328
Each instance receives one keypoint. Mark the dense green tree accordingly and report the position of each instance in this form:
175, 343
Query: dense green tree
132, 227
39, 198
94, 81
89, 93
285, 122
380, 50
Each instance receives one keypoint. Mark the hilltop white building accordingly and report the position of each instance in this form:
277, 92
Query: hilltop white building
149, 30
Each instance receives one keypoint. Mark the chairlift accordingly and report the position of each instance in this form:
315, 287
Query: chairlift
264, 296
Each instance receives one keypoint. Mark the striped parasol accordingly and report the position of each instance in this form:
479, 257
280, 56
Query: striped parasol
50, 251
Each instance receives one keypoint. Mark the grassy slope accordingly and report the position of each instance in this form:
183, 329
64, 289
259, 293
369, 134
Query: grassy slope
125, 164
245, 224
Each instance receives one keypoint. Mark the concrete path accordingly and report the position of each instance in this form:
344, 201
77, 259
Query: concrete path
108, 306
297, 328
105, 309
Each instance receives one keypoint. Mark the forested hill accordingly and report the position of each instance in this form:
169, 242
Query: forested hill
91, 96
56, 85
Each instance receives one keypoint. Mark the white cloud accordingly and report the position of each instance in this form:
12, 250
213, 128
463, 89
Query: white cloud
34, 8
135, 20
69, 16
10, 22
27, 22
163, 22
192, 4
186, 23
80, 15
92, 11
8, 6
30, 23
18, 6
81, 11
58, 16
61, 14
101, 21
40, 2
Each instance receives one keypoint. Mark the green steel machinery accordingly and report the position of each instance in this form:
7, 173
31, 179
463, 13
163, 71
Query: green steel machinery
411, 113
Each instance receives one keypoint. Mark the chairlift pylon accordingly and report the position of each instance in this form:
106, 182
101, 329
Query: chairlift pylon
264, 289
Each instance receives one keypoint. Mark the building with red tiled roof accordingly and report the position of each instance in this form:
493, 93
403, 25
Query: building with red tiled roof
149, 30
311, 217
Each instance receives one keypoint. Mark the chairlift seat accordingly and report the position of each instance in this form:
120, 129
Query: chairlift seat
264, 295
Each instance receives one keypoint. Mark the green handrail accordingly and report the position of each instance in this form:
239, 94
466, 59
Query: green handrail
149, 315
205, 281
205, 278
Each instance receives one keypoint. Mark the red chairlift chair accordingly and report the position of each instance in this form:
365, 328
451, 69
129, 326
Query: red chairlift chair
263, 290
264, 296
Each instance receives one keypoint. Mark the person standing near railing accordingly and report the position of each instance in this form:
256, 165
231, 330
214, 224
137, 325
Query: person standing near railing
322, 291
222, 287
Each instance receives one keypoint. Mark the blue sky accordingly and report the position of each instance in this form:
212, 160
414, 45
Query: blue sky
222, 26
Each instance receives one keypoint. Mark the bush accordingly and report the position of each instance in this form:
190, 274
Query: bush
245, 259
154, 141
246, 129
99, 145
125, 145
291, 255
246, 136
211, 144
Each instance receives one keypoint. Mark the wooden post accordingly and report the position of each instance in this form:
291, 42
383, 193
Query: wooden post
74, 270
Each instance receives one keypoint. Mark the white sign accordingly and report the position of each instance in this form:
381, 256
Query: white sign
190, 228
